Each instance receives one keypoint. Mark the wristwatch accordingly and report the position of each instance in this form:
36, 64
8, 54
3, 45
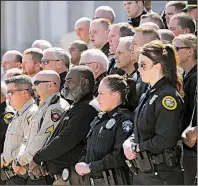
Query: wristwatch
134, 148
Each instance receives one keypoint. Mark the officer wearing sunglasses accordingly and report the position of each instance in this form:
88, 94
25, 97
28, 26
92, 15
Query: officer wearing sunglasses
43, 123
152, 148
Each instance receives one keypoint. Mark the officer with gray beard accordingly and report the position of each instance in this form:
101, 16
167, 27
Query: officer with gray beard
61, 152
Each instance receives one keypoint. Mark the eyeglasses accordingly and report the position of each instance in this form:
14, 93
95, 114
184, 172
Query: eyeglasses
88, 63
11, 92
178, 48
47, 61
37, 82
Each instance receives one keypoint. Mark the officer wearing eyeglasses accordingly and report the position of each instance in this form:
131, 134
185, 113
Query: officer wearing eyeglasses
43, 123
152, 148
19, 91
6, 116
56, 59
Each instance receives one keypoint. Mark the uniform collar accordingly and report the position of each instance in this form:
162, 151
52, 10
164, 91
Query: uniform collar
105, 49
26, 106
47, 100
114, 111
192, 71
136, 21
157, 85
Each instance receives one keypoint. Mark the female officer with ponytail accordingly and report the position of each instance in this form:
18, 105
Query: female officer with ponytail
102, 161
153, 145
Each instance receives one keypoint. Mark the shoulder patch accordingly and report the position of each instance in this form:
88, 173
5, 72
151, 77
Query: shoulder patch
55, 115
127, 125
8, 117
169, 102
50, 130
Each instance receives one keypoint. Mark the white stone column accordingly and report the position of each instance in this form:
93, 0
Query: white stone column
59, 20
44, 20
88, 9
10, 24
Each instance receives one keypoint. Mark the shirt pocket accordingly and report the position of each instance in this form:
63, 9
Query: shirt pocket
17, 135
104, 141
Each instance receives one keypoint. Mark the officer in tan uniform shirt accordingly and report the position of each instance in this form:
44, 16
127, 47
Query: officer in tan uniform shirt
44, 121
19, 89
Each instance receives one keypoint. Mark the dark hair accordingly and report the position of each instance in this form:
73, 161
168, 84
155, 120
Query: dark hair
36, 53
185, 21
86, 73
126, 87
18, 57
164, 54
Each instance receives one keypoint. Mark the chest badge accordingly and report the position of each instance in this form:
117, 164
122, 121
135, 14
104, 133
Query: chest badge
110, 123
153, 99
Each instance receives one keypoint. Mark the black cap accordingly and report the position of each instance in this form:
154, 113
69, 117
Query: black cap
191, 4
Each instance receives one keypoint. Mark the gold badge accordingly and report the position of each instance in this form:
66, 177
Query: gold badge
169, 103
8, 117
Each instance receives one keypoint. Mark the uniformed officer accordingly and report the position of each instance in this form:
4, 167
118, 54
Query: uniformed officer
6, 115
61, 152
44, 122
19, 89
152, 147
186, 46
102, 161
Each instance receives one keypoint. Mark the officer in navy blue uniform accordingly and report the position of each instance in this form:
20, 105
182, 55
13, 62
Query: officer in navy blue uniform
103, 161
153, 145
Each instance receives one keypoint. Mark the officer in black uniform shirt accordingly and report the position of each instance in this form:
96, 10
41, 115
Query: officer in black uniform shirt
6, 115
62, 150
103, 157
153, 146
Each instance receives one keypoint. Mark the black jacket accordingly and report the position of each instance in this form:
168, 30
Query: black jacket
114, 70
104, 142
157, 118
141, 87
190, 83
63, 149
105, 49
6, 115
135, 22
97, 83
62, 77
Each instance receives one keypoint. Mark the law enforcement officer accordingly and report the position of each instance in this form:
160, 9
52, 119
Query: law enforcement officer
153, 146
98, 62
186, 46
20, 97
6, 115
44, 122
102, 161
62, 150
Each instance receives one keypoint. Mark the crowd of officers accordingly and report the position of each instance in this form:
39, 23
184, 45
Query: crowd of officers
118, 108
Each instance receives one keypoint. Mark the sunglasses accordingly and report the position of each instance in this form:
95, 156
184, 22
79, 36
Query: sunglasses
178, 48
143, 66
47, 61
37, 82
11, 92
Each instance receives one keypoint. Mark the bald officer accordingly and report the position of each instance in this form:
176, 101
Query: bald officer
19, 89
43, 123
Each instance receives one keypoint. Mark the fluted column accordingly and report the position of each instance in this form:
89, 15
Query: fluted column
10, 25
